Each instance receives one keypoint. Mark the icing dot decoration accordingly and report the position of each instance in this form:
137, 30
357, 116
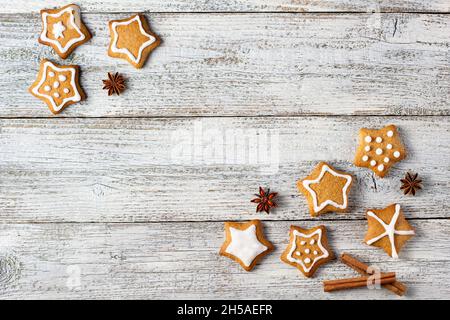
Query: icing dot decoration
385, 147
368, 139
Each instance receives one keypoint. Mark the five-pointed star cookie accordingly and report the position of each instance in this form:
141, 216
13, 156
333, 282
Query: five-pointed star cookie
326, 189
308, 249
379, 149
132, 40
245, 243
63, 30
58, 86
388, 229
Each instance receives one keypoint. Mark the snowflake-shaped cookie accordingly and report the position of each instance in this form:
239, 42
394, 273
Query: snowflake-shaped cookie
379, 149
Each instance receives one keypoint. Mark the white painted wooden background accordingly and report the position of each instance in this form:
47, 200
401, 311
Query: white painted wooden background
125, 197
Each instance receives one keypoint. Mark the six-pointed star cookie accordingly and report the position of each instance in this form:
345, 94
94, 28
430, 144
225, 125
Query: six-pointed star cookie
63, 30
132, 40
379, 149
245, 243
308, 249
326, 189
388, 229
58, 86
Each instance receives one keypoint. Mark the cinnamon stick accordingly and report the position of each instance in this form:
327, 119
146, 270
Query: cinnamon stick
342, 284
396, 287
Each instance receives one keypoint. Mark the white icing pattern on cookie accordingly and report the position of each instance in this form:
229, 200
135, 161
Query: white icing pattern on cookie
308, 261
59, 28
317, 207
245, 244
390, 230
114, 47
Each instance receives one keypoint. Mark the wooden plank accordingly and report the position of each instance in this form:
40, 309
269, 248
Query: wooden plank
26, 6
181, 261
247, 64
123, 170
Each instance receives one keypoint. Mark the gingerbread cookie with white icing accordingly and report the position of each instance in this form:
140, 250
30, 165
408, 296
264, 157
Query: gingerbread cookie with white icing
132, 40
388, 229
58, 86
379, 150
326, 189
308, 249
63, 30
245, 243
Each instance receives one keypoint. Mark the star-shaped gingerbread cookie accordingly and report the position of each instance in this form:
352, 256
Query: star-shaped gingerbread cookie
63, 30
245, 243
308, 249
379, 149
326, 189
58, 86
132, 40
388, 229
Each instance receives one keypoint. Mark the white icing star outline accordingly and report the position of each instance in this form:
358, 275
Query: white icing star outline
245, 245
114, 48
317, 207
324, 254
74, 21
76, 97
390, 230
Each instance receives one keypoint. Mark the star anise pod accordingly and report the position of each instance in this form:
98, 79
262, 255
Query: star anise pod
265, 200
410, 184
114, 84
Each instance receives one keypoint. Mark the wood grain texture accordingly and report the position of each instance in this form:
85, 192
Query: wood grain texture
26, 6
181, 260
248, 65
139, 170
